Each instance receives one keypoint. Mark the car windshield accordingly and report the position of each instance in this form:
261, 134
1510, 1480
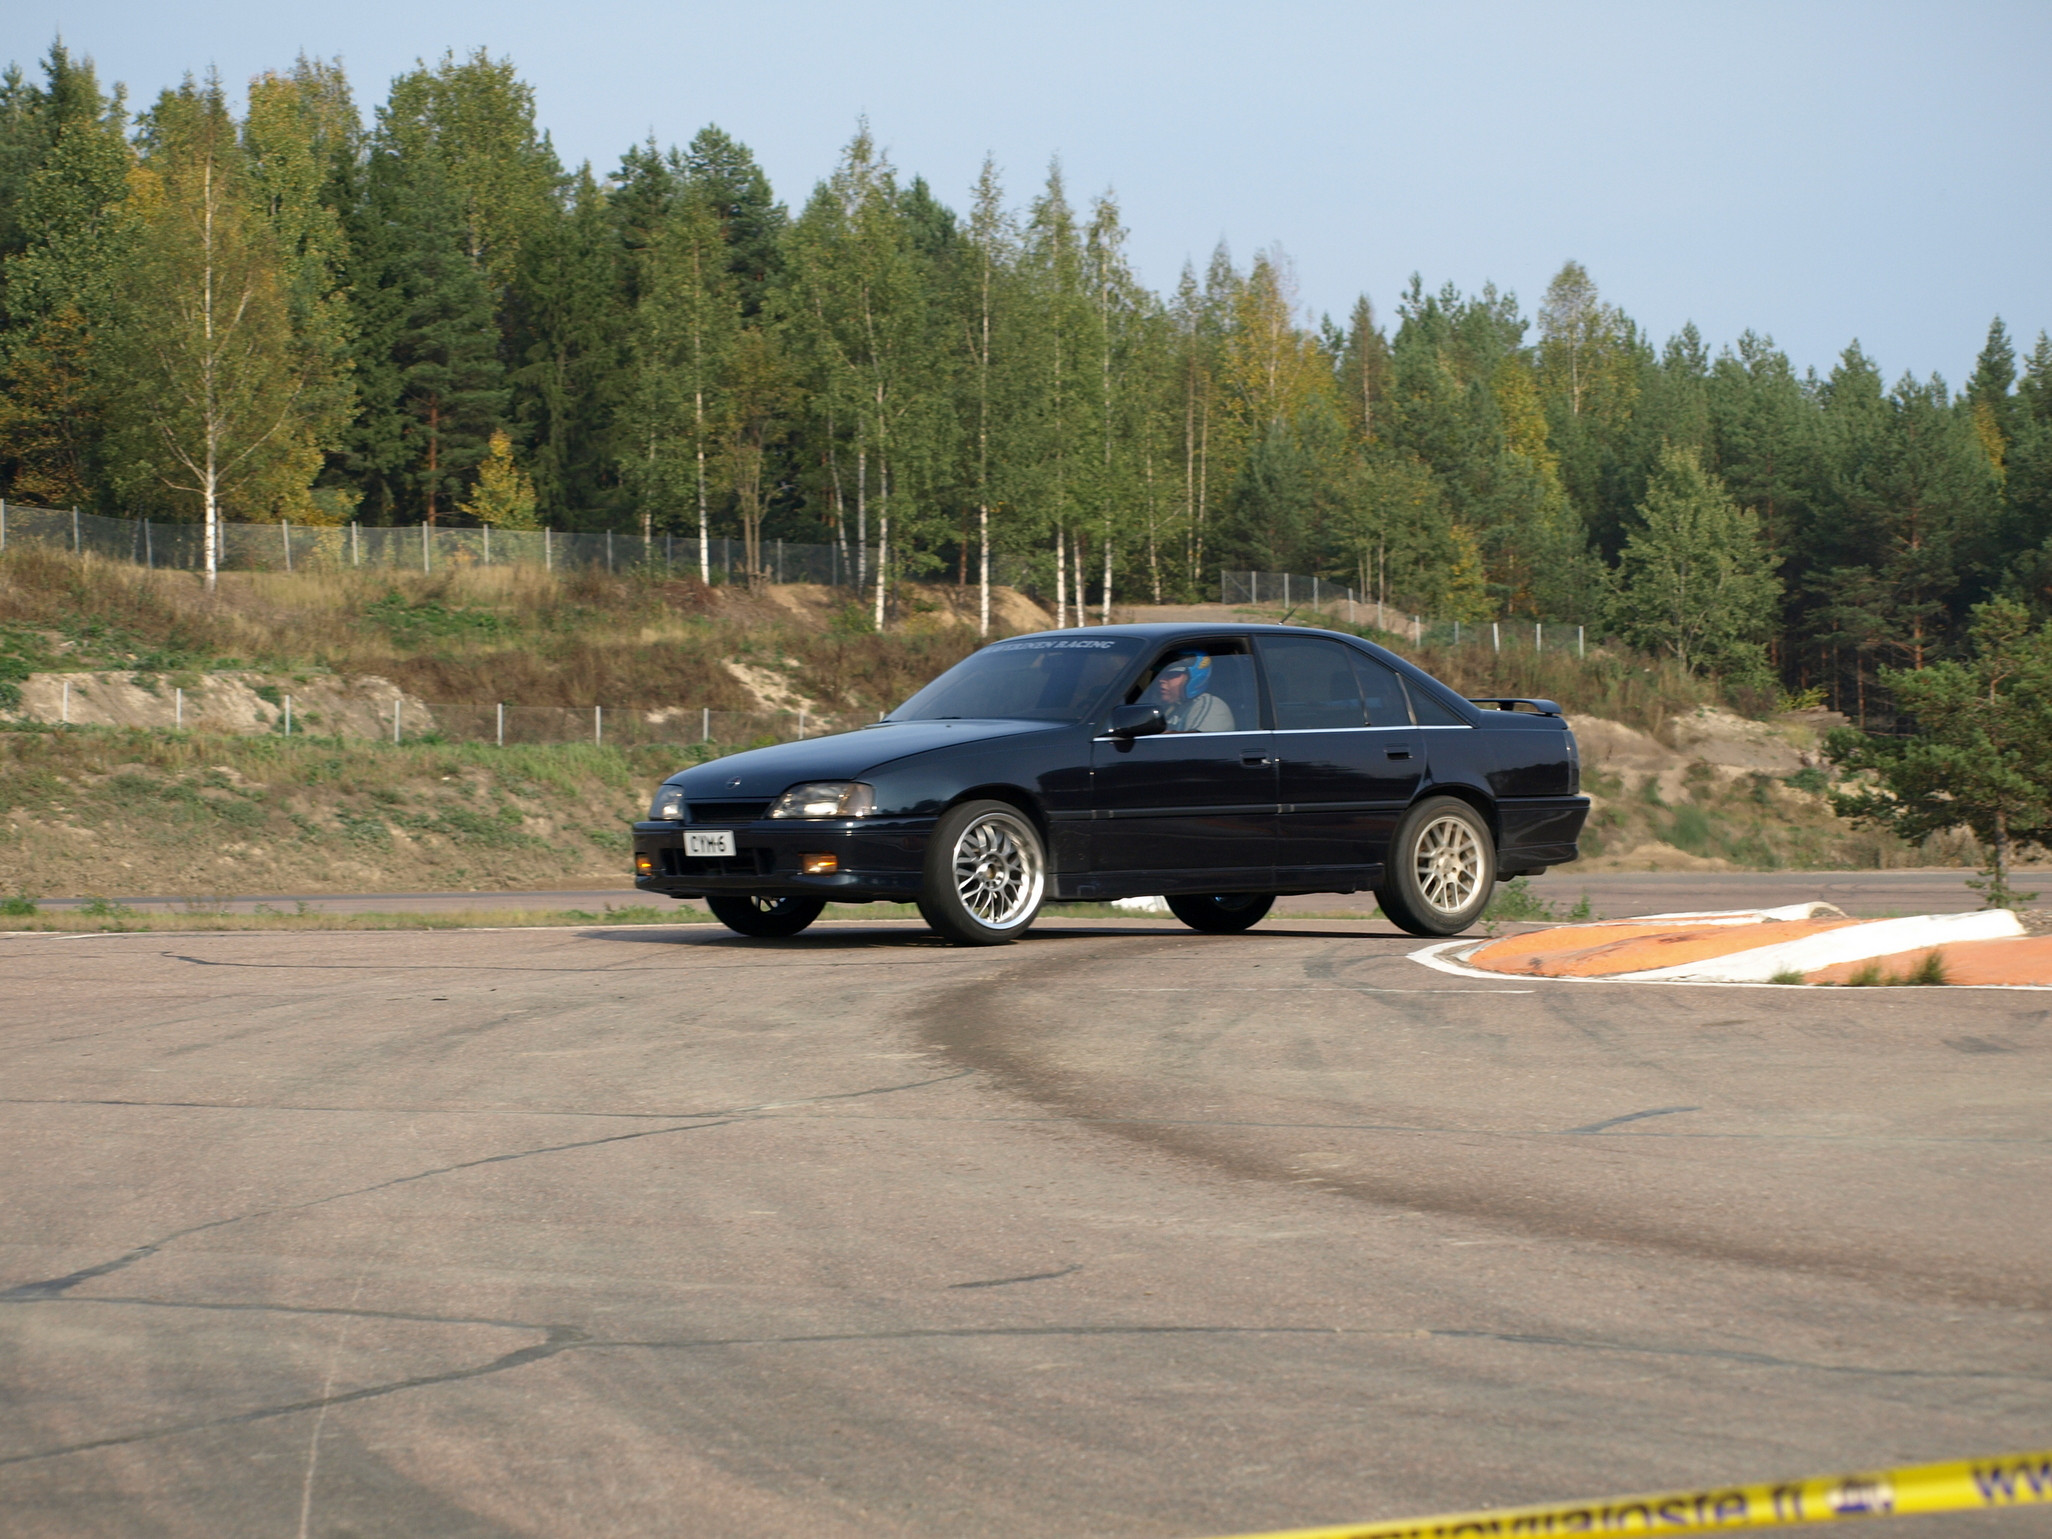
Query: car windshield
1035, 678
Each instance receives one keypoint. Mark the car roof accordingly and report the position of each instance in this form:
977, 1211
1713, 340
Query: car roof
1169, 630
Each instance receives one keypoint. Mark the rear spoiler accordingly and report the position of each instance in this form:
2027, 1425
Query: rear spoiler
1512, 702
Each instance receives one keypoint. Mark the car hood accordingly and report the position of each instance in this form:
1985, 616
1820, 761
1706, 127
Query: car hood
765, 772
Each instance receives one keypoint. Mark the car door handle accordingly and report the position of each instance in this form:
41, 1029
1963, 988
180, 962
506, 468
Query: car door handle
1255, 760
1400, 753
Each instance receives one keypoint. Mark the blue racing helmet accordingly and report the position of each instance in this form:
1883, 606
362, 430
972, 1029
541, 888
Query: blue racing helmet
1198, 666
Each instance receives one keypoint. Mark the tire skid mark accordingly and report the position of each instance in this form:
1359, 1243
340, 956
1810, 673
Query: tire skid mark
1002, 1033
57, 1286
560, 1339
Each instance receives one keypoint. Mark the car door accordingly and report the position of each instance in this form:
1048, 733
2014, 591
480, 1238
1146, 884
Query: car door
1348, 761
1193, 810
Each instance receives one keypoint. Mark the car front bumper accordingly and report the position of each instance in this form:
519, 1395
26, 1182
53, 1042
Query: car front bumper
877, 859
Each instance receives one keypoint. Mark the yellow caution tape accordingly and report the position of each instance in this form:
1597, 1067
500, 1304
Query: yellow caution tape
1960, 1485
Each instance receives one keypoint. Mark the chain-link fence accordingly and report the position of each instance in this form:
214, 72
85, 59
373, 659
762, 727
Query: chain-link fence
681, 726
289, 547
1293, 590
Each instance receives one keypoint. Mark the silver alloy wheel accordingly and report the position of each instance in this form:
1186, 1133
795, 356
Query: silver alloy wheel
998, 871
1449, 863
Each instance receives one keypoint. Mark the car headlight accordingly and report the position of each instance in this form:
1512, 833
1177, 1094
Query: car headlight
668, 806
826, 799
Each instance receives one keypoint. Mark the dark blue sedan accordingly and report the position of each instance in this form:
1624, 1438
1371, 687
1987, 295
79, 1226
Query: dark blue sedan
1218, 766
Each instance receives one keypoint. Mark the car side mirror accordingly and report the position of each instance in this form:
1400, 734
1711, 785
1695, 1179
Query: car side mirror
1131, 721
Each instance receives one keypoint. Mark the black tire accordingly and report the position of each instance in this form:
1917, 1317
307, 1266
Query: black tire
1223, 913
1441, 868
769, 918
986, 874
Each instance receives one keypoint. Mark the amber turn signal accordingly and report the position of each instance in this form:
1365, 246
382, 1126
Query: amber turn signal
644, 863
819, 865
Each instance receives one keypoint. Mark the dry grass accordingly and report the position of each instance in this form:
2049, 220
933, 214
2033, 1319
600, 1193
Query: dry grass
107, 810
473, 634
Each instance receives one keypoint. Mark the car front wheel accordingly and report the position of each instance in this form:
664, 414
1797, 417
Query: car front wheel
767, 917
1223, 913
986, 874
1441, 868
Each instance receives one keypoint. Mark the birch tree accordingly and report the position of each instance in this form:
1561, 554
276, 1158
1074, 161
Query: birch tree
684, 330
992, 248
213, 366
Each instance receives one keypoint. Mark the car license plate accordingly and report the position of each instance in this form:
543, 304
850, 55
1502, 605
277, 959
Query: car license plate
711, 841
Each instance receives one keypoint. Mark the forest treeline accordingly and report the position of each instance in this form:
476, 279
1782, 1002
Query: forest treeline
424, 316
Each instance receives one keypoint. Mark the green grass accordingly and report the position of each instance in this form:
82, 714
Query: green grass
1929, 973
1514, 902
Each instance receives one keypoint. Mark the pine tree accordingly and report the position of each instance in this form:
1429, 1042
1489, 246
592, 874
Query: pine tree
1988, 399
724, 175
1981, 754
568, 329
428, 366
67, 200
474, 119
504, 495
1693, 580
1364, 370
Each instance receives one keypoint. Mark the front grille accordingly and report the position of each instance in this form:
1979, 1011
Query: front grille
727, 812
674, 862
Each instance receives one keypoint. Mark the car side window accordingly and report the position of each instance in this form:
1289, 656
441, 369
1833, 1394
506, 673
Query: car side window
1202, 687
1314, 685
1381, 692
1431, 711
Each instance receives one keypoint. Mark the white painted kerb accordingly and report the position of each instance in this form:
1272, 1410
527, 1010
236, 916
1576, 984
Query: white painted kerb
1855, 943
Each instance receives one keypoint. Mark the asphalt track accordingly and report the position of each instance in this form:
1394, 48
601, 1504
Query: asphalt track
1120, 1231
1611, 894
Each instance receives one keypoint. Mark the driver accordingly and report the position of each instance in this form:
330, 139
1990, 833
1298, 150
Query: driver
1182, 690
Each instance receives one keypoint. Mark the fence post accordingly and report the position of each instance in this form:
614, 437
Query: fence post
288, 716
488, 544
1581, 650
1457, 633
149, 550
548, 550
285, 529
1538, 635
705, 731
1496, 635
502, 724
780, 570
395, 720
77, 549
609, 550
178, 708
424, 546
355, 555
801, 721
598, 723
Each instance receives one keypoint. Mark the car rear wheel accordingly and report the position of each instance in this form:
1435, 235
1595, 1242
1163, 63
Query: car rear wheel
986, 874
1223, 913
767, 917
1441, 868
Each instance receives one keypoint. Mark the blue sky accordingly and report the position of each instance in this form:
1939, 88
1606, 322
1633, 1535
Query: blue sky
1817, 171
